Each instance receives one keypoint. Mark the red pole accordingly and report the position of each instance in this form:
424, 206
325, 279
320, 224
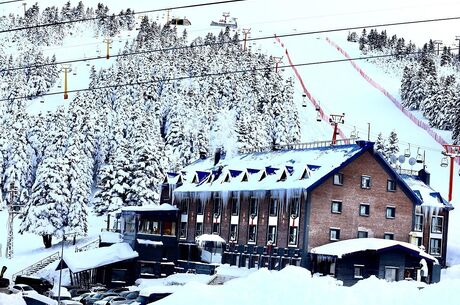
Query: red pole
334, 136
451, 179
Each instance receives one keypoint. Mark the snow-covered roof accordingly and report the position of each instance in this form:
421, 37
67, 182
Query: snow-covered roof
210, 237
149, 242
111, 237
271, 170
344, 247
81, 261
427, 195
150, 208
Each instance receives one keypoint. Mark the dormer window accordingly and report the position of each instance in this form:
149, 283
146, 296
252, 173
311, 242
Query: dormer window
305, 174
227, 178
245, 177
283, 176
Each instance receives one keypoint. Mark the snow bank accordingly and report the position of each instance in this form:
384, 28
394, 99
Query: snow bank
174, 279
210, 237
295, 285
13, 299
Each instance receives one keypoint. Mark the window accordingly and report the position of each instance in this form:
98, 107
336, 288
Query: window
273, 210
130, 224
389, 236
435, 246
216, 228
184, 206
147, 226
359, 271
390, 212
363, 234
391, 274
199, 229
233, 232
436, 224
294, 207
293, 231
336, 207
119, 275
216, 205
364, 209
235, 206
334, 234
391, 185
365, 182
271, 235
169, 228
183, 230
418, 223
253, 205
418, 241
252, 233
199, 207
338, 179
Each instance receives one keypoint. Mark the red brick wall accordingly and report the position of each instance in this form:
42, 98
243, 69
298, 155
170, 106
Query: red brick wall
352, 195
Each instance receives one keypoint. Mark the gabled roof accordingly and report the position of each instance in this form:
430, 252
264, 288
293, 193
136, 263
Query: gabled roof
427, 195
322, 163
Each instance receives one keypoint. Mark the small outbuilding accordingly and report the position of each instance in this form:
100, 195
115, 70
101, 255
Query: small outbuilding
355, 259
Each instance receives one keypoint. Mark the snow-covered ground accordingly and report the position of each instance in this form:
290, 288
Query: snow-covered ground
338, 87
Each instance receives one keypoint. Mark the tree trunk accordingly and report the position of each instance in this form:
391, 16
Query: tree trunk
47, 240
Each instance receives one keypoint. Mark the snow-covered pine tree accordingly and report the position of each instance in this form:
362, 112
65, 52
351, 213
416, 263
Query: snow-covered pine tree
392, 146
380, 144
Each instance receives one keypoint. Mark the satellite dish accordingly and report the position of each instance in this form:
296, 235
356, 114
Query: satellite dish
401, 159
393, 158
412, 161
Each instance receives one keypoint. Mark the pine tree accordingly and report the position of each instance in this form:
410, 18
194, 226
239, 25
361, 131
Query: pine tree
392, 146
380, 144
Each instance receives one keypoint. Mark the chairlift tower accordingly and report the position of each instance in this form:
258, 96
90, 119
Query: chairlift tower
335, 120
458, 39
108, 42
451, 151
13, 211
277, 62
437, 43
66, 68
246, 33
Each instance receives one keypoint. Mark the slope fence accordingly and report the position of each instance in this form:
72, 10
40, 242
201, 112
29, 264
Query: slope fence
312, 99
394, 100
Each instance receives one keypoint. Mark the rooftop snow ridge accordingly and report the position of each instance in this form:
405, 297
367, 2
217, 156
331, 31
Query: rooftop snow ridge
316, 144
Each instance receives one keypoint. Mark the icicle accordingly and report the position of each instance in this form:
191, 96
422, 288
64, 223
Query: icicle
225, 197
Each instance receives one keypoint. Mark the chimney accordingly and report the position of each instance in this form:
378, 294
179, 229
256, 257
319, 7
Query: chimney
424, 176
217, 155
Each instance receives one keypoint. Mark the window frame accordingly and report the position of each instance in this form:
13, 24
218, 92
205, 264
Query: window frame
390, 234
421, 223
214, 225
199, 207
339, 180
361, 205
252, 241
216, 202
440, 247
391, 182
276, 201
235, 203
274, 235
184, 205
337, 233
294, 206
432, 227
366, 233
253, 202
361, 271
393, 208
184, 236
295, 234
339, 203
235, 232
196, 228
366, 186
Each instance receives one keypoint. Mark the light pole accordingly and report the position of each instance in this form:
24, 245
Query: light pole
60, 265
451, 151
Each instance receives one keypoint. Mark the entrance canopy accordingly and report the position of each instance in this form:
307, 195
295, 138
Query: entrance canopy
91, 259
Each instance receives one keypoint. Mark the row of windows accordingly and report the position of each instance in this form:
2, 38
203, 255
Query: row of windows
435, 245
364, 209
366, 182
436, 223
274, 206
252, 232
334, 234
391, 273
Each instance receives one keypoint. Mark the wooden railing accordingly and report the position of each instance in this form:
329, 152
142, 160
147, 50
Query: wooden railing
316, 144
92, 245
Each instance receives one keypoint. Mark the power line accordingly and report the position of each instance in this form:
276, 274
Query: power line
229, 42
11, 1
119, 15
211, 75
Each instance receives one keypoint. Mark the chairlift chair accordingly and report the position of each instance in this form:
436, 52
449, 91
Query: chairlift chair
407, 152
444, 162
354, 133
304, 100
419, 158
318, 117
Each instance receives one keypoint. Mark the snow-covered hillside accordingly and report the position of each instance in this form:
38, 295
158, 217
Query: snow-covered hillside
338, 87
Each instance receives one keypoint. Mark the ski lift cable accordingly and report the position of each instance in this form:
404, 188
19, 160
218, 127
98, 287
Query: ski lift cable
11, 1
199, 76
242, 40
121, 15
